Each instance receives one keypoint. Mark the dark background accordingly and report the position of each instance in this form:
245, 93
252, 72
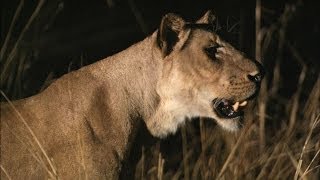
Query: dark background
67, 34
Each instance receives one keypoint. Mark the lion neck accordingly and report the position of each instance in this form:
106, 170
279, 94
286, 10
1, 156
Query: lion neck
132, 76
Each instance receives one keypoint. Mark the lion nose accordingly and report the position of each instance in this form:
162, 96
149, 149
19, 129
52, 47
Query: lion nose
255, 76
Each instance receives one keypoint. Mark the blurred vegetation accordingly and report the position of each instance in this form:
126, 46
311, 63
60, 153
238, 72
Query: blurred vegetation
42, 40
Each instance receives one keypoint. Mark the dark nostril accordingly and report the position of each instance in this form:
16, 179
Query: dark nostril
257, 77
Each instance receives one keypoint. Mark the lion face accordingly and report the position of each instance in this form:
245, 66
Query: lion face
204, 76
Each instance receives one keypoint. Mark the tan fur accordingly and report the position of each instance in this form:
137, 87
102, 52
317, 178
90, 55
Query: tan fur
85, 121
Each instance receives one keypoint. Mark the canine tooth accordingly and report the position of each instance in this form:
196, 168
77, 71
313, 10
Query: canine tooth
243, 103
236, 106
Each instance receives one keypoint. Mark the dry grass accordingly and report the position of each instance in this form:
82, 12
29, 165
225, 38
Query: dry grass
290, 147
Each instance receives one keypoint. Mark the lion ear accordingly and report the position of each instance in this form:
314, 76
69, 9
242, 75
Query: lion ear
207, 18
171, 33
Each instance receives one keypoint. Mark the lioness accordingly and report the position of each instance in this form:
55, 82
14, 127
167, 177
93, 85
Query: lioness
82, 125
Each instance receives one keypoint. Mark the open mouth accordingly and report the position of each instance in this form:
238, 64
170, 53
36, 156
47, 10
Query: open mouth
228, 109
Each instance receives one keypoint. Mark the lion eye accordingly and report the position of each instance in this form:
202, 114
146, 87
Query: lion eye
212, 50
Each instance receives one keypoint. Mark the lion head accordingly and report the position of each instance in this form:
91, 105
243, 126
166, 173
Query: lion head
202, 76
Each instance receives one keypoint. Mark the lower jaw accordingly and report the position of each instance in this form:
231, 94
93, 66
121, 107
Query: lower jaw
232, 125
238, 118
225, 117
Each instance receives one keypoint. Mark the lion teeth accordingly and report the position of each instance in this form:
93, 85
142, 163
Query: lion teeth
244, 103
235, 106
